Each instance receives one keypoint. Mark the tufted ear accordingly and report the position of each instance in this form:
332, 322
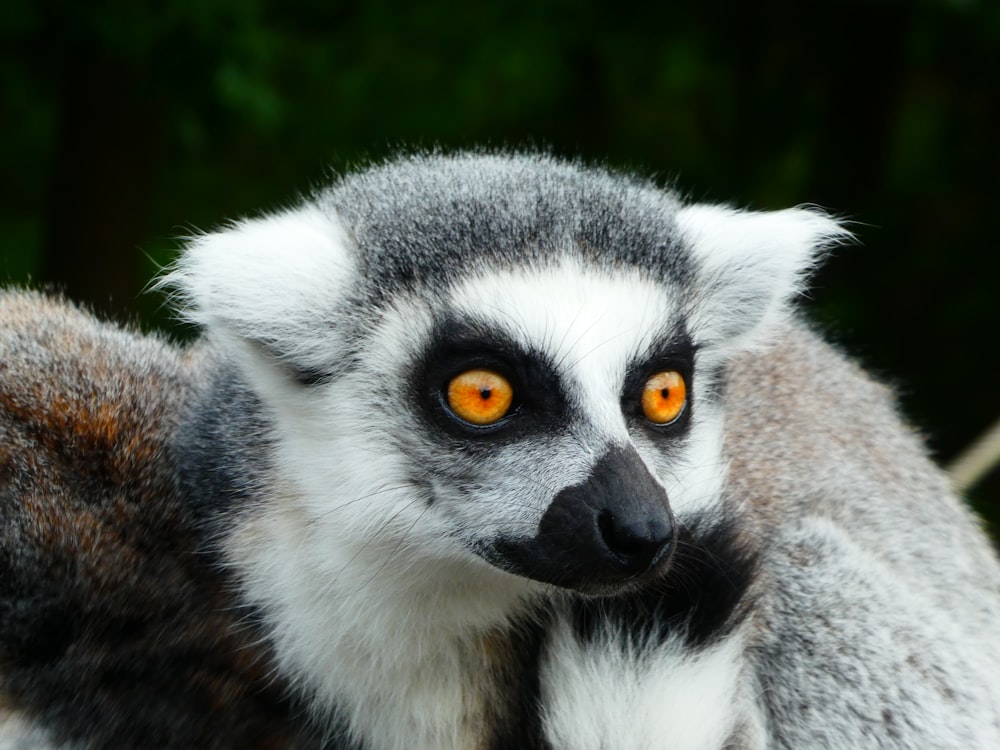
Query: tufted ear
750, 265
268, 286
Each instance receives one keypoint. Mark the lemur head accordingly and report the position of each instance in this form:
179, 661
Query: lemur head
496, 362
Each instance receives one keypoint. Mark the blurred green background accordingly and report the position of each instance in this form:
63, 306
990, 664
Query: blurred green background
128, 123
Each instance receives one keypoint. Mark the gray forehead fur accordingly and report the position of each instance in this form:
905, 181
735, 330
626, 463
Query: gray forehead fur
426, 220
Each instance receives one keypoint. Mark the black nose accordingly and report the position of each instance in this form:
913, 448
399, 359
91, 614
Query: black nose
638, 543
611, 528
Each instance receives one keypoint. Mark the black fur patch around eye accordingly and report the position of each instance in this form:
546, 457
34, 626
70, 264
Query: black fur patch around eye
702, 596
674, 352
458, 345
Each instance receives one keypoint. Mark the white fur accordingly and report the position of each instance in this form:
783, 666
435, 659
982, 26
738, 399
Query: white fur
270, 280
752, 264
18, 733
613, 693
389, 643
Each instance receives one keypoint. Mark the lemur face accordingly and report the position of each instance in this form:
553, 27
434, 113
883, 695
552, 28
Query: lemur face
547, 414
503, 364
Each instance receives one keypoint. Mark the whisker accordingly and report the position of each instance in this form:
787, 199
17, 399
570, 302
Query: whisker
578, 339
359, 498
598, 345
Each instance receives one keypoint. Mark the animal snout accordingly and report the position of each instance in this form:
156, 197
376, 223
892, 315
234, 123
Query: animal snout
637, 544
614, 527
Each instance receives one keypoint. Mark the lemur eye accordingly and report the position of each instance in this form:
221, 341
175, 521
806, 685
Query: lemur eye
481, 397
664, 396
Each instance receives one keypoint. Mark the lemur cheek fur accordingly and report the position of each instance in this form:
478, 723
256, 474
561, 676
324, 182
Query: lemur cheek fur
483, 451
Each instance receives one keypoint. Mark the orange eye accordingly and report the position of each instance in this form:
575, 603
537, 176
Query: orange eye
664, 396
481, 397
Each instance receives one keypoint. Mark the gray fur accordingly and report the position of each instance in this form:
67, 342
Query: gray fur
423, 221
877, 620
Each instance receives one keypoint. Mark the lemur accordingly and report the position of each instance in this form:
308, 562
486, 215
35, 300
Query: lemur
480, 451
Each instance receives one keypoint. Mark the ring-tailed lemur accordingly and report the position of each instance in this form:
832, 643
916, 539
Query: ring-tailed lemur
480, 451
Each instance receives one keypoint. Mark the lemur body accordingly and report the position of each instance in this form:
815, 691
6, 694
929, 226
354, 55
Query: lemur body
481, 451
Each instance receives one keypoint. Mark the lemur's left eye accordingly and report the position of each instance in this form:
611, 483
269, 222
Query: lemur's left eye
664, 396
481, 397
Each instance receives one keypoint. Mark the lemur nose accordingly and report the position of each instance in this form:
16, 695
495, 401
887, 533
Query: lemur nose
612, 528
639, 543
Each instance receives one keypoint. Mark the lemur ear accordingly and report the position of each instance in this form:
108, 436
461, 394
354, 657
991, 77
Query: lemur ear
750, 265
268, 285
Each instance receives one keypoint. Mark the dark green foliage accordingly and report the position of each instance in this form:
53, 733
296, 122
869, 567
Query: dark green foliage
124, 119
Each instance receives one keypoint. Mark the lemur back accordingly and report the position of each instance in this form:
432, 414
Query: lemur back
480, 451
877, 590
116, 628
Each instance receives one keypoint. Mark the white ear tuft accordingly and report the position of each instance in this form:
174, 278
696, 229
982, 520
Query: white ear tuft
750, 265
273, 281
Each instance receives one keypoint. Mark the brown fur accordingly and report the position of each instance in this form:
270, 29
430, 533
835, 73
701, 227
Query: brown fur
109, 602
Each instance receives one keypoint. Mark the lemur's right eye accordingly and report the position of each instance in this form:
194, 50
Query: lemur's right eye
480, 397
